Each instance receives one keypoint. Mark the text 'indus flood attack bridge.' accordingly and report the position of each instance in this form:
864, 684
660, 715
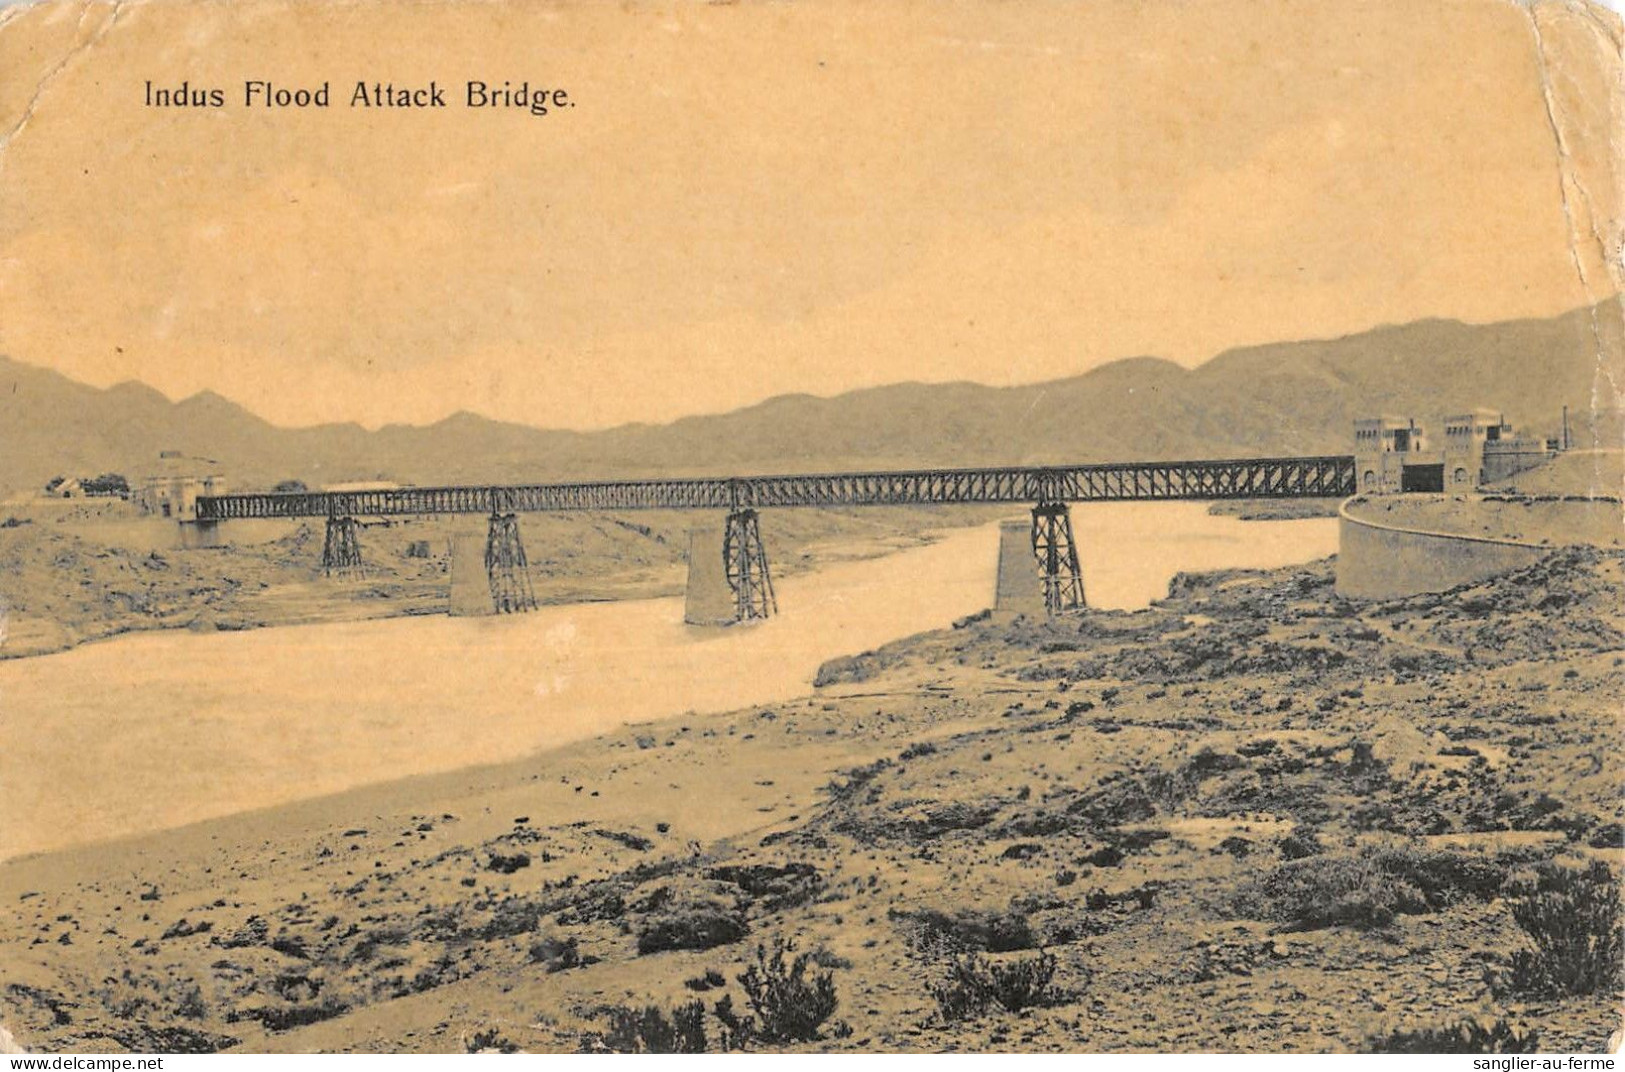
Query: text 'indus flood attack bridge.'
743, 563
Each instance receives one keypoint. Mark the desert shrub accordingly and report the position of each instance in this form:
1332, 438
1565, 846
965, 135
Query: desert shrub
1607, 836
598, 903
555, 954
290, 945
736, 1029
856, 778
1119, 799
506, 864
698, 927
956, 815
974, 984
253, 932
185, 928
828, 958
653, 901
970, 930
1442, 876
1325, 891
489, 1040
132, 995
287, 1017
774, 886
169, 1038
1105, 856
1468, 1036
635, 842
439, 972
711, 980
1368, 889
510, 917
129, 995
1575, 921
106, 484
1303, 842
789, 1006
648, 1030
964, 995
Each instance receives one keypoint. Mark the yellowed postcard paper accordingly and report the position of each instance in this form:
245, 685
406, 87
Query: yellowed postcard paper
831, 526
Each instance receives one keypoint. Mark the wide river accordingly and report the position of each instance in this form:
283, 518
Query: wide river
153, 730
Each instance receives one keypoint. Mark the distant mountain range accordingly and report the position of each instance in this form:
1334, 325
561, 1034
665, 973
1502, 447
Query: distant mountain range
1282, 398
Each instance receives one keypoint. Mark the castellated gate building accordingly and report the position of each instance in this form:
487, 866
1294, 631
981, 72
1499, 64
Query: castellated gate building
172, 491
1396, 454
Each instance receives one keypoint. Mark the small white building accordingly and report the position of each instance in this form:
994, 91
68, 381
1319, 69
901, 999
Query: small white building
176, 496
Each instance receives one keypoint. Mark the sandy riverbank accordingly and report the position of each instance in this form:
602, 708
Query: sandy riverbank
68, 576
1109, 788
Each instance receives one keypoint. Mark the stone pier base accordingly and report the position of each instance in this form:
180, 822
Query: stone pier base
709, 600
195, 534
470, 585
1019, 589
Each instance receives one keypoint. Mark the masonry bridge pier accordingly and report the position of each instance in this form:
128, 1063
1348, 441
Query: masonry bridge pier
729, 576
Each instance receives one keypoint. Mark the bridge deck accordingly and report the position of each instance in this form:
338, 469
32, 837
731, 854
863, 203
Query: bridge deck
1240, 478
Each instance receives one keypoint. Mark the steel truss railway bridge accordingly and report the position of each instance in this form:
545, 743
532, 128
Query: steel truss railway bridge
1049, 490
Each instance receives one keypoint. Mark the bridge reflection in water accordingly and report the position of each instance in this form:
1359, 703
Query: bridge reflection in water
1056, 574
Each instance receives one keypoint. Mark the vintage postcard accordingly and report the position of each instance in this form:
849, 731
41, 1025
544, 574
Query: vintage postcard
831, 527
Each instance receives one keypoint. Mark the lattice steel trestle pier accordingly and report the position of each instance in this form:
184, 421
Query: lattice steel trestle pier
1048, 488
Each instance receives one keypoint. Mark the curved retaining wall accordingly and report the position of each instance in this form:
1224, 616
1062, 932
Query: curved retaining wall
1377, 561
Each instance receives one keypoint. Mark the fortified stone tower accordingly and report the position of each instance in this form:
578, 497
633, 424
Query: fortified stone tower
1480, 448
1465, 435
1382, 447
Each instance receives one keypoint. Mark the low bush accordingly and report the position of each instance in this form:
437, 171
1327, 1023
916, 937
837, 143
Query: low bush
1468, 1036
1302, 843
711, 980
693, 928
1328, 891
1443, 876
775, 887
287, 1017
1369, 889
555, 954
648, 1030
513, 916
975, 984
135, 995
505, 864
970, 930
598, 903
789, 1005
489, 1040
1575, 921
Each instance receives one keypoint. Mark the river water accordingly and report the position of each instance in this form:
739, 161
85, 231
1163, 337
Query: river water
153, 730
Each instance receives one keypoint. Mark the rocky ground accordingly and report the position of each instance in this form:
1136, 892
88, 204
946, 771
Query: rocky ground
1274, 509
97, 570
1253, 817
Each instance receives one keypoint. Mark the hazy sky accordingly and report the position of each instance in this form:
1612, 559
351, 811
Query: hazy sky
754, 199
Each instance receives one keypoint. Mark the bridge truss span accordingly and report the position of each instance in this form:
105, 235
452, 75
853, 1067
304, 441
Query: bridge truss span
1242, 478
